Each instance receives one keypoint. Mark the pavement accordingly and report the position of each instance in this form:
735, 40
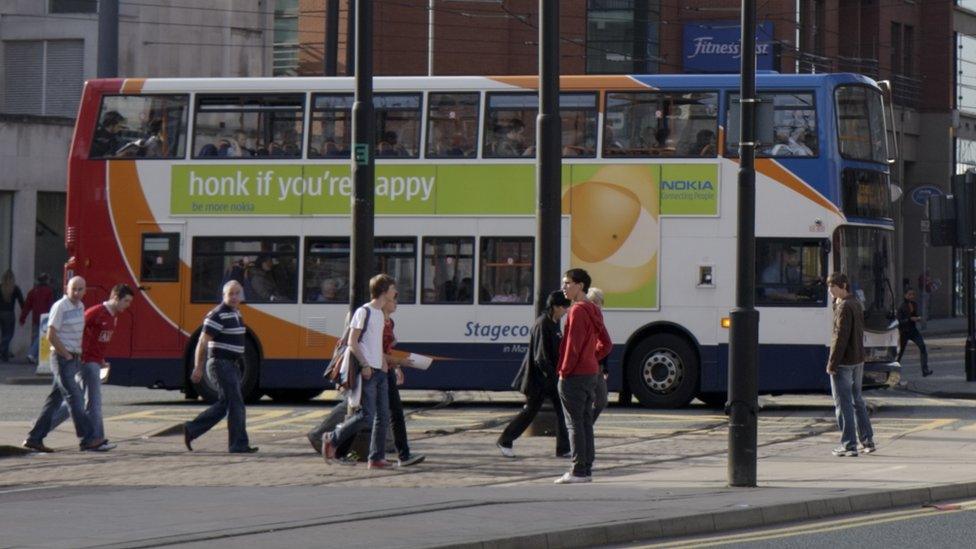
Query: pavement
659, 474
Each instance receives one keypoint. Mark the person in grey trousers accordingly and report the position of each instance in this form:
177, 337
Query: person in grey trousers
584, 344
595, 296
845, 365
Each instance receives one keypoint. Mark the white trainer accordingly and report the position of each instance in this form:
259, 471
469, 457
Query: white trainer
506, 451
570, 478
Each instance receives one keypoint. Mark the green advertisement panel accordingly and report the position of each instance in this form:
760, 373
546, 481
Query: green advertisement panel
689, 189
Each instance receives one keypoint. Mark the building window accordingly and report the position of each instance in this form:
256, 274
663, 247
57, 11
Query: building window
6, 229
286, 46
908, 45
622, 36
43, 77
965, 155
73, 6
896, 48
965, 70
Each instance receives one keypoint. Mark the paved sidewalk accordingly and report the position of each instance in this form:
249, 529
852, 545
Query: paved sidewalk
150, 492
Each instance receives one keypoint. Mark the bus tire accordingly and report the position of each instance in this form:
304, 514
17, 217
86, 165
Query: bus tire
663, 371
292, 396
250, 366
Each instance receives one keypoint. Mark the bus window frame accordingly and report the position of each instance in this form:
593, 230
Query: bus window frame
187, 124
311, 120
421, 119
416, 248
294, 240
595, 110
606, 109
795, 242
427, 121
174, 248
884, 123
309, 240
424, 267
302, 153
482, 240
727, 145
484, 153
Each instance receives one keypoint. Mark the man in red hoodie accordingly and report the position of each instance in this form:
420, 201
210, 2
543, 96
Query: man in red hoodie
585, 344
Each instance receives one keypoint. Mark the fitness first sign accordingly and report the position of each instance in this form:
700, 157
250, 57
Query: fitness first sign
713, 46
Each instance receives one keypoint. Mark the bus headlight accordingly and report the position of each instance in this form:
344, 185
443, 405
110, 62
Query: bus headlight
880, 354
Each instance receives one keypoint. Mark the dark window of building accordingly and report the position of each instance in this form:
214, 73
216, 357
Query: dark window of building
160, 257
448, 273
397, 125
622, 36
675, 124
908, 44
249, 126
73, 6
791, 272
896, 48
286, 45
141, 126
331, 130
49, 251
506, 274
267, 268
6, 229
452, 125
794, 125
865, 193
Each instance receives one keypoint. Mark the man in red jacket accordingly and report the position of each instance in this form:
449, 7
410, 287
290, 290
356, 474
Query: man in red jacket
585, 343
39, 301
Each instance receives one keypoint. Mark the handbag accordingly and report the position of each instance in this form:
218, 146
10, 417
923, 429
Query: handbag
343, 353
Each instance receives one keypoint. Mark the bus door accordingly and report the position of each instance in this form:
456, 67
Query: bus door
158, 310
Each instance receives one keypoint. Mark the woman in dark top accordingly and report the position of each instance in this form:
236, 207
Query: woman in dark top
9, 295
537, 378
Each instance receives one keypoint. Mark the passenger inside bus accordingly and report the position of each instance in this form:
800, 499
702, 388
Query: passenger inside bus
389, 145
790, 142
782, 275
704, 144
108, 136
512, 142
261, 278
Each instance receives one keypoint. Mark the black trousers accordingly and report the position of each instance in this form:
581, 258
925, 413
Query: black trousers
915, 336
521, 422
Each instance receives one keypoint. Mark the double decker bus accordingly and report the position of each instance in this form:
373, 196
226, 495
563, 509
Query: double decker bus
179, 185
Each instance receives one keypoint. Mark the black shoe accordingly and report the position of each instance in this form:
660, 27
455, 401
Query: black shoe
37, 446
926, 372
187, 438
247, 450
315, 442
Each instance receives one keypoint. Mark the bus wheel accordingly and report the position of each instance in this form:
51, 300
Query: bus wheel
250, 366
292, 396
663, 371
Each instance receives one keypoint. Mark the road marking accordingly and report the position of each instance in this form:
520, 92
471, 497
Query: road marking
814, 528
33, 489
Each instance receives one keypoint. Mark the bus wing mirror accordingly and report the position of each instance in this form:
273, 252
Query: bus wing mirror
888, 106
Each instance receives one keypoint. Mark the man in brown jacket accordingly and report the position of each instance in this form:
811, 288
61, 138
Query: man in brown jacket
846, 368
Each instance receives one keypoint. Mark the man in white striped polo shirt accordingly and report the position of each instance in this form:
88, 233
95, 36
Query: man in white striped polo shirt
66, 325
223, 337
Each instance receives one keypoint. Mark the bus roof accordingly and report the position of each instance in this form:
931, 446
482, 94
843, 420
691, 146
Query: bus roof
463, 83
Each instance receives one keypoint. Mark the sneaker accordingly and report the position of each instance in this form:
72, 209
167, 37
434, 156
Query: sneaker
379, 464
37, 446
840, 451
570, 478
505, 450
31, 359
93, 445
412, 459
867, 447
103, 447
349, 460
315, 442
926, 372
245, 450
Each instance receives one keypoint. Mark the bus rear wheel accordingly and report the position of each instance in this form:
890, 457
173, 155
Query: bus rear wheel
250, 366
663, 371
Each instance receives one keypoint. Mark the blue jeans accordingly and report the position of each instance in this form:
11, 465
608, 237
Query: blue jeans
230, 403
35, 341
852, 413
92, 386
374, 410
66, 389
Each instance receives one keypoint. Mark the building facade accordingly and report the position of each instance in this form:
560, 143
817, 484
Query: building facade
48, 48
927, 50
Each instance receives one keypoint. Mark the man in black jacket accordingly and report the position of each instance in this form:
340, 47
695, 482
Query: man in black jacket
537, 378
907, 330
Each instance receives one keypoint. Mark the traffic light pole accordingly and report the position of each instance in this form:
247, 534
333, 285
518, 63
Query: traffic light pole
108, 39
968, 258
549, 157
743, 403
364, 141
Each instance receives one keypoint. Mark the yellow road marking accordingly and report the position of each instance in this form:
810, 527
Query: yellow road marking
815, 528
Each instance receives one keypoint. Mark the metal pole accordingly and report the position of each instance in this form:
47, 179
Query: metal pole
108, 39
968, 257
364, 143
351, 38
331, 59
548, 157
430, 37
743, 403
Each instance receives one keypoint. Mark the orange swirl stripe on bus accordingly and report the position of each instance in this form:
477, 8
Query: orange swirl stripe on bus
772, 169
132, 215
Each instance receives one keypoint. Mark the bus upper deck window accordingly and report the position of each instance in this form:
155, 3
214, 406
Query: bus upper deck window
452, 125
397, 124
141, 126
331, 131
648, 124
786, 125
247, 126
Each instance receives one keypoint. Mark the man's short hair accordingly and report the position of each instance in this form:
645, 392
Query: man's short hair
121, 291
557, 299
379, 284
838, 279
579, 276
